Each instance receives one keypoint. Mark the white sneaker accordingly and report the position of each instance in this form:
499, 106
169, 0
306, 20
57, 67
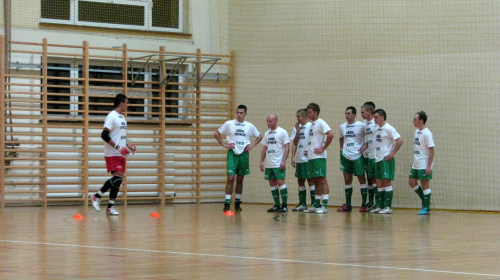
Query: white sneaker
386, 210
112, 211
375, 210
310, 210
96, 203
321, 210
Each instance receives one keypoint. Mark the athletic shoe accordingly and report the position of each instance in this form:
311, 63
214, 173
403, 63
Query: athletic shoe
424, 211
369, 207
112, 211
321, 210
227, 207
299, 208
311, 210
274, 209
344, 208
283, 208
386, 210
96, 203
375, 210
363, 209
237, 206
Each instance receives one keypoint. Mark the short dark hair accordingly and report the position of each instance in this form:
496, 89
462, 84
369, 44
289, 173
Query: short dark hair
314, 107
422, 116
368, 107
242, 107
119, 99
371, 104
302, 112
380, 112
353, 110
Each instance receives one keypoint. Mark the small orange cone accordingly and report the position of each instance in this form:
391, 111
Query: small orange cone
78, 217
155, 215
229, 213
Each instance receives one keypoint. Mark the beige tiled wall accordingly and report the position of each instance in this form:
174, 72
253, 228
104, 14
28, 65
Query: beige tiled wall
438, 56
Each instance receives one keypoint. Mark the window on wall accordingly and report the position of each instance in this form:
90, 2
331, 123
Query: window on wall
148, 15
65, 97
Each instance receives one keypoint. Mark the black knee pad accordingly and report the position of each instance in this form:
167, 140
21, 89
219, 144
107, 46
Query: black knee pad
116, 181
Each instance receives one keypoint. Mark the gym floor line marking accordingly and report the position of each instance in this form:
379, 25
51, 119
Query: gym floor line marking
250, 258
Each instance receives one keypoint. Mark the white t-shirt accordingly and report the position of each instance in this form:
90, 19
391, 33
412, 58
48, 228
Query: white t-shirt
370, 137
300, 152
275, 140
317, 137
386, 135
117, 126
354, 139
423, 141
239, 134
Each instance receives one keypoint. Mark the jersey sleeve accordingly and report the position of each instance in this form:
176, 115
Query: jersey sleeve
224, 129
429, 140
108, 122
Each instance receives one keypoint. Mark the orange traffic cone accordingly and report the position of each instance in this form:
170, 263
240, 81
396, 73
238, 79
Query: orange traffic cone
78, 217
155, 215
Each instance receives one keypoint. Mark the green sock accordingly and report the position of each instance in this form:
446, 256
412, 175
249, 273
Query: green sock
227, 201
364, 194
324, 200
276, 196
371, 194
420, 193
313, 194
388, 198
348, 194
317, 201
284, 194
380, 198
302, 197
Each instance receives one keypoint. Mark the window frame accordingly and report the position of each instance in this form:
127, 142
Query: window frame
148, 16
76, 93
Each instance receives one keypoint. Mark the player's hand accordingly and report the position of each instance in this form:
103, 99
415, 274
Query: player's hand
262, 167
293, 163
124, 151
131, 147
229, 146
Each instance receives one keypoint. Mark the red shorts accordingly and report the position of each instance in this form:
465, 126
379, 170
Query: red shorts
117, 163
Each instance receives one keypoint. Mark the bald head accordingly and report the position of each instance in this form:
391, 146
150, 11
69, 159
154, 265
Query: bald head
272, 122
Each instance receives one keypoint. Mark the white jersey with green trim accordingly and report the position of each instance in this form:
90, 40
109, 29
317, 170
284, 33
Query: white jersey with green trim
354, 139
370, 137
317, 137
301, 151
117, 126
275, 140
239, 133
423, 141
386, 135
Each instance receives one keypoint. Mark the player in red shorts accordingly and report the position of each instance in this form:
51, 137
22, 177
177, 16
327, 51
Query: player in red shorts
116, 149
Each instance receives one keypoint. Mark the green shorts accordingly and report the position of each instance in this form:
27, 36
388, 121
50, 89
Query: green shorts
420, 174
385, 169
274, 174
317, 167
302, 170
355, 167
238, 164
370, 168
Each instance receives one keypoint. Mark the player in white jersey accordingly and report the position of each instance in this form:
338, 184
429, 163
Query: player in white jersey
369, 154
388, 141
238, 133
352, 146
299, 159
273, 161
116, 148
423, 160
320, 137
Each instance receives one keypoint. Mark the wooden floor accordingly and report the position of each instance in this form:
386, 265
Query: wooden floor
199, 242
